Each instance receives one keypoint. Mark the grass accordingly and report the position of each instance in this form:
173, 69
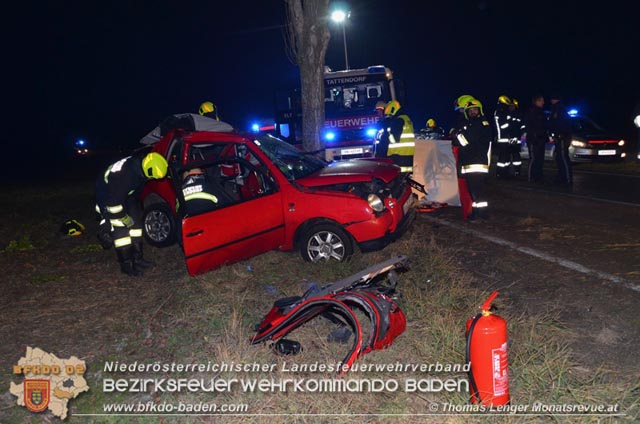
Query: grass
171, 317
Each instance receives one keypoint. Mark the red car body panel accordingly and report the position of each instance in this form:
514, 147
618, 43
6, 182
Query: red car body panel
272, 221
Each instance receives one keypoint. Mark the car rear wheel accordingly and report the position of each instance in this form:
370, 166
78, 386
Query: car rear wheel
324, 242
160, 228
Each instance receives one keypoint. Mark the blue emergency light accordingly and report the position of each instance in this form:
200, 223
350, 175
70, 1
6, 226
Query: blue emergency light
371, 132
572, 112
255, 127
80, 143
330, 136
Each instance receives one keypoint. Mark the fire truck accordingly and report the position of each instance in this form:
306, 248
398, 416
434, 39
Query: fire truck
350, 99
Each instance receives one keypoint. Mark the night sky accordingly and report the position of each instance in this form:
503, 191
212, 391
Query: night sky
109, 71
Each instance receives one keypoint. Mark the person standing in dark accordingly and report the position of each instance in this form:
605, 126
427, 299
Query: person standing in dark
474, 141
560, 128
636, 122
536, 127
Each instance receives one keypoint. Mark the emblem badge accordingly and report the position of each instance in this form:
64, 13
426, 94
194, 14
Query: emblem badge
36, 394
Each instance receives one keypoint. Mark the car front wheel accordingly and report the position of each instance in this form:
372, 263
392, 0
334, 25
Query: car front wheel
159, 225
323, 242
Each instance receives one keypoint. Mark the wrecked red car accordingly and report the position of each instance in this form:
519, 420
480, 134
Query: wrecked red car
261, 193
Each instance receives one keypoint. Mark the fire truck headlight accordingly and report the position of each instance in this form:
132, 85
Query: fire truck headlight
330, 136
375, 203
621, 143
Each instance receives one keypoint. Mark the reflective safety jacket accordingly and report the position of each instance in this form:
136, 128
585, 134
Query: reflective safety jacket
402, 141
474, 140
121, 180
198, 195
508, 125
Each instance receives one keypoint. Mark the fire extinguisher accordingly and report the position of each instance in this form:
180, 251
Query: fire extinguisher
487, 353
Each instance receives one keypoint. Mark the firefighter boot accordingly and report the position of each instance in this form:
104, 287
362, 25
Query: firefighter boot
138, 259
127, 264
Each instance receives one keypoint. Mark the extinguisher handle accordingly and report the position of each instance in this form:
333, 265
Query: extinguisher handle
486, 306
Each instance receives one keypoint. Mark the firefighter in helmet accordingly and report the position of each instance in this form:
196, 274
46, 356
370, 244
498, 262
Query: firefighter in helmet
396, 139
504, 134
209, 110
458, 106
431, 131
118, 203
474, 141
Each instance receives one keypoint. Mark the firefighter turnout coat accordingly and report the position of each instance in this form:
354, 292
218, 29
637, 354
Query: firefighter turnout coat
474, 138
117, 196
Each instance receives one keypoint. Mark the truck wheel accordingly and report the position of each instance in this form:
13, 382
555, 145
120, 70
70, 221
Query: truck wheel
159, 225
323, 242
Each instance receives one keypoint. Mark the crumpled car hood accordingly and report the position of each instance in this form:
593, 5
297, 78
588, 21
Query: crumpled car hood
353, 170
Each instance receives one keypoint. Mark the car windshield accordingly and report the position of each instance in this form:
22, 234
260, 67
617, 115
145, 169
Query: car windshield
582, 125
293, 163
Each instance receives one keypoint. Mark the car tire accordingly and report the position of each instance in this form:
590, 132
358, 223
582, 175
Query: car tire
323, 242
159, 225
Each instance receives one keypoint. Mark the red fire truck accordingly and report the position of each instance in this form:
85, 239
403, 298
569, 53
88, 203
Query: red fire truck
350, 98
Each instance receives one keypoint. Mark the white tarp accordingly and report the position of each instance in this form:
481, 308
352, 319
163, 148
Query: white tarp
187, 121
435, 166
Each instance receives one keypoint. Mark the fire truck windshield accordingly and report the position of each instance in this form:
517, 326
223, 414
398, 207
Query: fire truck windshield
354, 99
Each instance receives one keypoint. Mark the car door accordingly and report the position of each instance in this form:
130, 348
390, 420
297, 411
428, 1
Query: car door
243, 224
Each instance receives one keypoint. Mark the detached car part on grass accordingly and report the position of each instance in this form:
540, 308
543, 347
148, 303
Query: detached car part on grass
338, 302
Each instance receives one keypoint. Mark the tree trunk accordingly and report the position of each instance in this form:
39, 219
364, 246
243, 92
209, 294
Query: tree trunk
308, 36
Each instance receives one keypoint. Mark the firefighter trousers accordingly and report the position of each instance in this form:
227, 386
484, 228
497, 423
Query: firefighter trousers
479, 202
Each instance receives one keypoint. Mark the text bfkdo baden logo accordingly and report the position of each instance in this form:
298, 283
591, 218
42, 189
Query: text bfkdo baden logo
50, 382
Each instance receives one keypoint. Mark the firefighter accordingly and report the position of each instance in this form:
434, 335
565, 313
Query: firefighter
396, 139
209, 110
560, 129
432, 131
636, 122
118, 202
503, 131
516, 135
474, 141
536, 128
197, 192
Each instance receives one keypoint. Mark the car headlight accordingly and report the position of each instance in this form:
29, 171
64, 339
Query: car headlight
621, 143
375, 203
578, 143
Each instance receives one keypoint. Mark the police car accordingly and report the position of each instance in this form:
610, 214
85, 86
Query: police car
589, 143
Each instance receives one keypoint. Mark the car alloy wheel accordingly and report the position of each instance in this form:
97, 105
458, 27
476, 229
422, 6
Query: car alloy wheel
324, 242
159, 225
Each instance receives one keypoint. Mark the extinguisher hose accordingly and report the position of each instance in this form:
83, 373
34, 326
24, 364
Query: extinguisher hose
472, 380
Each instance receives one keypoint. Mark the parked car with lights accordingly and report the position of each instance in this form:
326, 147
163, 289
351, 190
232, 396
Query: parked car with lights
272, 196
590, 142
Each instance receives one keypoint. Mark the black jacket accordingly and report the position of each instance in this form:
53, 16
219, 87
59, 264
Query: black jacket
120, 180
474, 139
536, 126
559, 121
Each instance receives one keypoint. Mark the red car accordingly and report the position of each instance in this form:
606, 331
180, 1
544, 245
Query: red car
269, 195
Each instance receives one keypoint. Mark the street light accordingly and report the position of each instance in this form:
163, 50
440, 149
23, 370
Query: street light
340, 16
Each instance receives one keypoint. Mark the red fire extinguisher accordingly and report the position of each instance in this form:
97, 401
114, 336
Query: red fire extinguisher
487, 352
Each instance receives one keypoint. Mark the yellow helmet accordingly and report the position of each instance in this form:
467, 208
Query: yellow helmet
154, 165
516, 103
474, 103
206, 107
462, 101
431, 123
72, 227
505, 100
392, 108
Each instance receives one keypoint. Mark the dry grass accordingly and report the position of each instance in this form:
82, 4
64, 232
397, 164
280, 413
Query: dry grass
170, 317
